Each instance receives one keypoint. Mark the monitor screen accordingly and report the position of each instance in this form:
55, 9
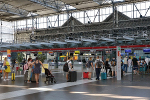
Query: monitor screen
146, 50
128, 51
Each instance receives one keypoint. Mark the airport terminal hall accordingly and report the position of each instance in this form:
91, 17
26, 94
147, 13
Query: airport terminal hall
74, 49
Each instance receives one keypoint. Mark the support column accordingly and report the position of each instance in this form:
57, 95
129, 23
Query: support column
118, 52
57, 59
1, 41
1, 32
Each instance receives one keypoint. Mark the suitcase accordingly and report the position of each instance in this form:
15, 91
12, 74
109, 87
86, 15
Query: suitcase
121, 72
103, 76
33, 78
85, 75
72, 76
26, 76
13, 76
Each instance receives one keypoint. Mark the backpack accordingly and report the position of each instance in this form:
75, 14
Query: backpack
65, 67
88, 64
26, 66
121, 63
113, 63
99, 63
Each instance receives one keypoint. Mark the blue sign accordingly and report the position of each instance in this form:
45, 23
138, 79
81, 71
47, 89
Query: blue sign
146, 50
128, 51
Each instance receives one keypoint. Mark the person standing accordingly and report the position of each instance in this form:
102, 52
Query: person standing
114, 67
98, 65
70, 67
107, 66
90, 68
29, 64
37, 69
7, 69
135, 64
129, 64
147, 60
125, 64
13, 63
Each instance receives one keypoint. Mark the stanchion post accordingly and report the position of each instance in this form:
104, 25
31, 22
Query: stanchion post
132, 73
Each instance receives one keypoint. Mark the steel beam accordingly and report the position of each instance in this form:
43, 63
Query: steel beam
50, 4
15, 11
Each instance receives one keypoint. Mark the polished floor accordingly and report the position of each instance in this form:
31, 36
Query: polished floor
110, 89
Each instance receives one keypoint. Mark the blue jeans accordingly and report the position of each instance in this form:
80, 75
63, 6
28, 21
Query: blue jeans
125, 67
98, 70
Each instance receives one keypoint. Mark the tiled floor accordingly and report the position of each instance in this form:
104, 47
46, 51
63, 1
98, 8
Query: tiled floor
109, 89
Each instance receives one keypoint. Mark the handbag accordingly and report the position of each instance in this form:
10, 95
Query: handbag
5, 67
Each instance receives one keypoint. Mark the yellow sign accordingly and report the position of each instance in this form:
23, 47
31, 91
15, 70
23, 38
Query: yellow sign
45, 66
39, 52
8, 51
77, 52
63, 56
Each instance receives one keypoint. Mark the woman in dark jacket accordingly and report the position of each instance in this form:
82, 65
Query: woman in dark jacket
107, 66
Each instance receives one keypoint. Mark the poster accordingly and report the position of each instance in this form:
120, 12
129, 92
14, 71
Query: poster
45, 66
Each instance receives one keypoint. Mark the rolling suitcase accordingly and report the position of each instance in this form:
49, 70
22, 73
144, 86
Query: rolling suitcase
103, 76
85, 75
33, 78
13, 76
26, 76
121, 72
72, 76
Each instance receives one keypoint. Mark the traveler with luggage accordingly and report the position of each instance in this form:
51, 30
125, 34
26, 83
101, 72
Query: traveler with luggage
29, 64
107, 66
7, 69
98, 65
114, 67
67, 67
90, 67
37, 69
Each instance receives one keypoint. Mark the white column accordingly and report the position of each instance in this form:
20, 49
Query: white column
118, 49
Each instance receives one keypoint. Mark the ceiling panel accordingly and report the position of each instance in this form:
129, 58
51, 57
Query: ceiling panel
74, 1
45, 11
18, 3
33, 7
86, 5
15, 16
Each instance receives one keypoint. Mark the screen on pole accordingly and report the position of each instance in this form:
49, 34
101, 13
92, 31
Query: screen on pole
146, 50
128, 51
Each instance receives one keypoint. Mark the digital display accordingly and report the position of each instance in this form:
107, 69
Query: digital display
128, 51
146, 50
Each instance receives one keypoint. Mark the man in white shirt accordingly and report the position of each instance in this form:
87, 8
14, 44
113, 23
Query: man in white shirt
70, 67
147, 60
125, 64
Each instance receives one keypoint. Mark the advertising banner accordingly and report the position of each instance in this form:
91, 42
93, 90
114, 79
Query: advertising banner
118, 63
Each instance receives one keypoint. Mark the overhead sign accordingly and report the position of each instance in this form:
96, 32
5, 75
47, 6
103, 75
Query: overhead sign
146, 50
39, 52
8, 55
128, 51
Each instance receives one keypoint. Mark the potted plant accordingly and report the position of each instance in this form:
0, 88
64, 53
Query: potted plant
41, 57
20, 58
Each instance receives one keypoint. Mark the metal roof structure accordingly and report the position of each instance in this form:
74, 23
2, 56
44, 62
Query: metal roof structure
11, 10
